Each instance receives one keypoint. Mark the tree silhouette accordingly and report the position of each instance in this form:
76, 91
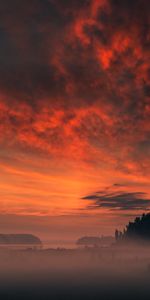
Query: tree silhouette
138, 229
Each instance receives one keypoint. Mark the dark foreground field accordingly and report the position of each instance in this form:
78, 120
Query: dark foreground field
66, 289
70, 275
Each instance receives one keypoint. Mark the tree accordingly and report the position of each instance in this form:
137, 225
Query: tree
89, 241
116, 234
138, 229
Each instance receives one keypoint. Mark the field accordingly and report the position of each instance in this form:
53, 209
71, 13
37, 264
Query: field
106, 273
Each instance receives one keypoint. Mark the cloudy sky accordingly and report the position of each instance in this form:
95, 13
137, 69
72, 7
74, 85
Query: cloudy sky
74, 115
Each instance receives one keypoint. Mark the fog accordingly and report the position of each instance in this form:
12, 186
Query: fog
75, 274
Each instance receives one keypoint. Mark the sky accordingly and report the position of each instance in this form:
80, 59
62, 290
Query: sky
74, 115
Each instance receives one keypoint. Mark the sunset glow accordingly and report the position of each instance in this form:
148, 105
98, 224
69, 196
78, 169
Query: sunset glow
74, 115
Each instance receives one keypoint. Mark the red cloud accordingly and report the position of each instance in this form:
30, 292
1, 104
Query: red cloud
77, 85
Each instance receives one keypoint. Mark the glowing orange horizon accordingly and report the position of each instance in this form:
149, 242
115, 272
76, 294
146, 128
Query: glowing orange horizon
74, 106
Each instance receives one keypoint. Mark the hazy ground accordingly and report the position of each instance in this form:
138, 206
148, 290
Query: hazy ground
75, 274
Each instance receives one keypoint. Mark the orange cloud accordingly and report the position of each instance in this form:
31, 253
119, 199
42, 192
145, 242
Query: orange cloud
74, 89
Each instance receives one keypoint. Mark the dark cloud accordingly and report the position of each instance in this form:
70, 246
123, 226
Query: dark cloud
40, 42
118, 200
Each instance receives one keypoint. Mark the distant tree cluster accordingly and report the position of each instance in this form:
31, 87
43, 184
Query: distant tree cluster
138, 229
94, 241
22, 239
